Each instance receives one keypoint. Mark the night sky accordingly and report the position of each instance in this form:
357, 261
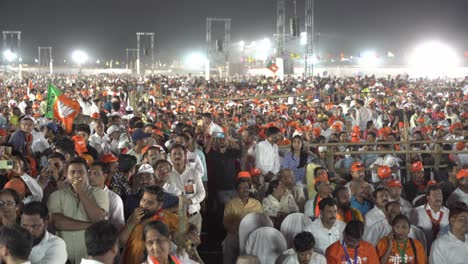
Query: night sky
105, 28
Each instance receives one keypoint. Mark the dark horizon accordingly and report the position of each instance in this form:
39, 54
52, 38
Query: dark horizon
104, 28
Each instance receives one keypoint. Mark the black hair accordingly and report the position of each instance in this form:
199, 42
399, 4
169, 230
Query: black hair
431, 188
83, 128
186, 138
371, 133
354, 229
175, 146
18, 241
104, 166
304, 241
458, 208
36, 208
19, 154
208, 115
12, 193
272, 131
100, 238
126, 162
242, 180
79, 160
376, 191
327, 202
158, 226
337, 191
303, 155
56, 155
317, 169
369, 124
272, 186
391, 203
162, 161
401, 217
66, 146
155, 190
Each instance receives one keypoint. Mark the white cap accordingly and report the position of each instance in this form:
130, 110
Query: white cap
322, 149
112, 129
145, 168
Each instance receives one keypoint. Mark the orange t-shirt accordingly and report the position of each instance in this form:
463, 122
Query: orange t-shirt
395, 257
366, 254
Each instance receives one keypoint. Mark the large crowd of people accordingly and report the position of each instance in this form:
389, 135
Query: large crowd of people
301, 170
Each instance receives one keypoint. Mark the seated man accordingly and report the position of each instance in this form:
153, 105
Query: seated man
304, 251
47, 248
345, 212
102, 243
15, 245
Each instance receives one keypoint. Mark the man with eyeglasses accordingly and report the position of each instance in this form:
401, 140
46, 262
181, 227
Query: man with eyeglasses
76, 207
9, 207
97, 178
47, 248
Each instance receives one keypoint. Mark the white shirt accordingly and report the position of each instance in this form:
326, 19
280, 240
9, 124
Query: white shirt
271, 206
457, 196
51, 250
317, 258
215, 128
267, 157
190, 184
373, 216
193, 161
101, 144
377, 231
449, 249
419, 217
325, 237
363, 115
90, 261
116, 209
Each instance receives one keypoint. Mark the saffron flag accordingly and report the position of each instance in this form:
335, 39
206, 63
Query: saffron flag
272, 66
52, 94
65, 110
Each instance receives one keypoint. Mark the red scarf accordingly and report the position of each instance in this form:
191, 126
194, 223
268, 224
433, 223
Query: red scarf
435, 223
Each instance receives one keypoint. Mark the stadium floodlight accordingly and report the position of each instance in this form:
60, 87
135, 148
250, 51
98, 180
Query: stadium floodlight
369, 59
195, 60
433, 55
9, 55
242, 45
303, 39
79, 57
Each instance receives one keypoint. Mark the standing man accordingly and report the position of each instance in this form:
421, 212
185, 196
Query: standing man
431, 217
209, 125
75, 207
47, 248
102, 243
187, 181
266, 154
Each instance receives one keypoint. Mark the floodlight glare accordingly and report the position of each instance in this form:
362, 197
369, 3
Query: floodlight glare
195, 60
433, 55
369, 59
79, 57
9, 55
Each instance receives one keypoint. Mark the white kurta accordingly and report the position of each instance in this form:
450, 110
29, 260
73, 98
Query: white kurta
267, 157
382, 228
457, 196
419, 217
373, 216
51, 250
325, 237
448, 249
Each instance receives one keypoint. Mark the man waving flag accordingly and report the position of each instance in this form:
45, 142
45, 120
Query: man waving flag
61, 107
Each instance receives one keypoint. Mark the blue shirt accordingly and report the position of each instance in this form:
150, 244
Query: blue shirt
362, 207
292, 162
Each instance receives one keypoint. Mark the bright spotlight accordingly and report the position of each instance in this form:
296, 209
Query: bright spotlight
303, 39
9, 55
79, 57
369, 59
434, 55
195, 60
242, 45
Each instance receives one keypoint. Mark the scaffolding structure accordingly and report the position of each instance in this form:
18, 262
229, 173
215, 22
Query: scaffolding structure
225, 45
140, 35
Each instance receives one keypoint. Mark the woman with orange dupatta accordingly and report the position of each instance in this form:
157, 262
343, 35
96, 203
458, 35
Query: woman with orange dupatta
157, 238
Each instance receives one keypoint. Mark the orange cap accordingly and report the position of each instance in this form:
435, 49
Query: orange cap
357, 166
95, 115
384, 172
417, 166
463, 173
16, 184
355, 140
420, 120
432, 182
243, 174
109, 158
394, 183
460, 145
255, 172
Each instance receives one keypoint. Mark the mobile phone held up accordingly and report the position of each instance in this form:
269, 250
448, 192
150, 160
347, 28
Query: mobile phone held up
219, 135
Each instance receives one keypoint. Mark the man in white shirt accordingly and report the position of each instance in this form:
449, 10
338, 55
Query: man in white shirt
98, 173
461, 193
376, 214
394, 188
377, 231
188, 182
326, 229
211, 126
47, 248
266, 153
303, 252
15, 246
452, 247
193, 160
102, 243
363, 114
431, 217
